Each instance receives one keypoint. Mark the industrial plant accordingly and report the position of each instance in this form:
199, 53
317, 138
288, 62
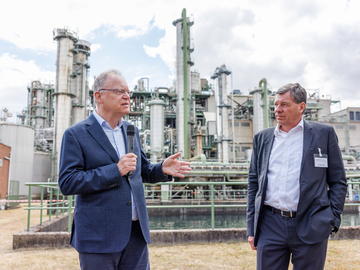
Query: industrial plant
209, 122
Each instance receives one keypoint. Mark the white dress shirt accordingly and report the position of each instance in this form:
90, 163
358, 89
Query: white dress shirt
283, 188
116, 138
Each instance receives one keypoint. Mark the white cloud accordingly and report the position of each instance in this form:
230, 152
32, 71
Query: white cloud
314, 42
15, 76
95, 47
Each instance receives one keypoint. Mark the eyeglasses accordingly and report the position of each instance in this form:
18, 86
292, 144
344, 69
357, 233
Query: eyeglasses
119, 92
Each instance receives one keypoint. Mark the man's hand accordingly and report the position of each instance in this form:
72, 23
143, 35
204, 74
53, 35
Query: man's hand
251, 240
174, 167
127, 163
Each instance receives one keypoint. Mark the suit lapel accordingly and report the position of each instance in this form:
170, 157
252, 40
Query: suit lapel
268, 143
99, 135
308, 137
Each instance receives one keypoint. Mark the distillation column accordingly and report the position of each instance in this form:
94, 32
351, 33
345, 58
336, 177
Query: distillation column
260, 107
258, 110
156, 128
37, 109
183, 84
79, 80
63, 96
222, 114
40, 110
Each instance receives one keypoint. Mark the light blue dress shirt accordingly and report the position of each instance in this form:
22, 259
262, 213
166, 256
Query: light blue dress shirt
116, 139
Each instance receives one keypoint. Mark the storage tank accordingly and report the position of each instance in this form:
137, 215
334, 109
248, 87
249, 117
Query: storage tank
21, 140
41, 170
156, 128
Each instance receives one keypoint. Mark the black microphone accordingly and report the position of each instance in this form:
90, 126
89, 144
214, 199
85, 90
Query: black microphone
130, 134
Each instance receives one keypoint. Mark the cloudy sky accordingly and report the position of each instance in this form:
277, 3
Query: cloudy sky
313, 42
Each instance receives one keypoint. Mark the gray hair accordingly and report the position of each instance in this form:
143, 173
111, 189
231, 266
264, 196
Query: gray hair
297, 93
99, 81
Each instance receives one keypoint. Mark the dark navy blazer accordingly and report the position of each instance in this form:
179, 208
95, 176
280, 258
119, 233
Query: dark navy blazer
88, 169
322, 190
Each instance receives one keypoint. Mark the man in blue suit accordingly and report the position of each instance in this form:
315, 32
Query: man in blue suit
297, 187
110, 228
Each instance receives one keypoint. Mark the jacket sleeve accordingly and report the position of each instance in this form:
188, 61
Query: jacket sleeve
336, 178
252, 190
75, 178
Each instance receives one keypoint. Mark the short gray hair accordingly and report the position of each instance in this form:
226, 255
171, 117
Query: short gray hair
100, 79
297, 93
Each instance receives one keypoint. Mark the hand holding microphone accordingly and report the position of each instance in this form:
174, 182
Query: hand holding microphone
127, 163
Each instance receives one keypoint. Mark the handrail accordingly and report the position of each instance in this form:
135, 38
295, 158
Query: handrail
59, 203
51, 204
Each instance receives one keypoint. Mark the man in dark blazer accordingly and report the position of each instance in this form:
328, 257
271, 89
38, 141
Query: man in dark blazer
296, 189
110, 228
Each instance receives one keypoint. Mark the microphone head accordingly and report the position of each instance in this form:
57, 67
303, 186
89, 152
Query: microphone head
130, 130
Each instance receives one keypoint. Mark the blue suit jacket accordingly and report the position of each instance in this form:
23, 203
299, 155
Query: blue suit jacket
322, 190
88, 168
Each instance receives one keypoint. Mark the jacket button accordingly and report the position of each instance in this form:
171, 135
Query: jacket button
129, 203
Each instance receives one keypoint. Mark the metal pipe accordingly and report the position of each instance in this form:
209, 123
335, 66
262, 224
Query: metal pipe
232, 117
266, 102
347, 138
185, 50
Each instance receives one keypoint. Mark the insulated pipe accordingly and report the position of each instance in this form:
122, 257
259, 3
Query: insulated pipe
185, 48
232, 118
266, 103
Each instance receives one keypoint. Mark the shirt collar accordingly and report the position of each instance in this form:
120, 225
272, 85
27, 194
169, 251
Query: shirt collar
103, 122
298, 128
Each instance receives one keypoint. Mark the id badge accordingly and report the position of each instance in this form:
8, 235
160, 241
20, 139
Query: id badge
320, 160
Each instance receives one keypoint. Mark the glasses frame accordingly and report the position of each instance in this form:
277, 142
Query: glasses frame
119, 92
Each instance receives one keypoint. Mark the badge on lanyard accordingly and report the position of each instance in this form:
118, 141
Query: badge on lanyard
320, 160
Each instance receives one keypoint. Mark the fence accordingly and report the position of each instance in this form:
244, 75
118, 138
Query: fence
60, 204
195, 198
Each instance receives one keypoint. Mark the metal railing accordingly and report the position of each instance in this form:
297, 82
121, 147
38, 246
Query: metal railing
212, 191
60, 203
195, 198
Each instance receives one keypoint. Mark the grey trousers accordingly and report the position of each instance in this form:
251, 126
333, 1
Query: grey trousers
278, 240
134, 256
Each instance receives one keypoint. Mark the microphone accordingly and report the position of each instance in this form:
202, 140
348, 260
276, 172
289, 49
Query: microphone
130, 134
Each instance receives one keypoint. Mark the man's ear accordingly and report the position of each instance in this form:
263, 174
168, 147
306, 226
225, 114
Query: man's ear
302, 107
98, 96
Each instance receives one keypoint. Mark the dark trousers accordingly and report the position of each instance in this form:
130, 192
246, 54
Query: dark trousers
134, 256
278, 240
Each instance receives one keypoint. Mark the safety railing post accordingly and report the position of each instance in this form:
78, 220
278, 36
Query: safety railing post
41, 204
57, 202
29, 206
50, 204
212, 208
